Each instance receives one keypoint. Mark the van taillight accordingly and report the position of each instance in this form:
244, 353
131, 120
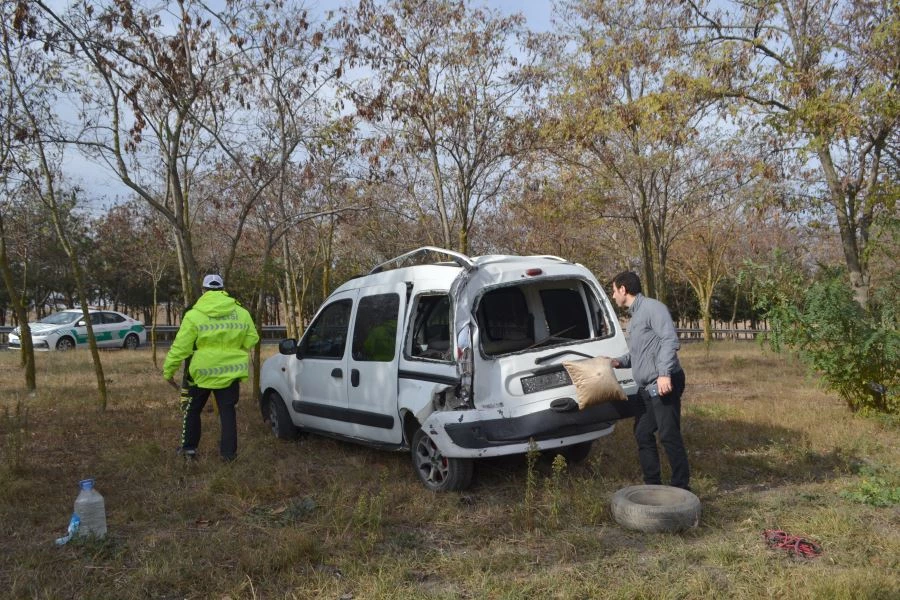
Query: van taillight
465, 364
534, 272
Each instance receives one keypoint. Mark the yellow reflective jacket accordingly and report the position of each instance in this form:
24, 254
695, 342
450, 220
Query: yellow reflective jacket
217, 333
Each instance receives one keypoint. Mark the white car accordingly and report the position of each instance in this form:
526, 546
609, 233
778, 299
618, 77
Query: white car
66, 330
453, 360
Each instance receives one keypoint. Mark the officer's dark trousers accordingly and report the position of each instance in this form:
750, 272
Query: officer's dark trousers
662, 414
227, 399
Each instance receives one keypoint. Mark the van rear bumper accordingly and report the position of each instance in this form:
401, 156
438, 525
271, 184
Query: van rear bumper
470, 434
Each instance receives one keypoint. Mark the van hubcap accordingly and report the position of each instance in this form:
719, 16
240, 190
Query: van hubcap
432, 465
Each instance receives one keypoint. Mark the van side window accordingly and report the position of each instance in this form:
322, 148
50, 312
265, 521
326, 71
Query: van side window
375, 330
327, 335
565, 313
505, 322
431, 328
599, 317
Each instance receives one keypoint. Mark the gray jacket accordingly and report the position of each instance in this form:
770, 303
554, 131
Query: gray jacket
652, 342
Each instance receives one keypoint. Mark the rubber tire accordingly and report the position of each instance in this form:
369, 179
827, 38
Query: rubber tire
437, 472
279, 419
576, 453
65, 344
132, 342
655, 508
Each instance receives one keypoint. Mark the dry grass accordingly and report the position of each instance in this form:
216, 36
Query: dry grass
322, 519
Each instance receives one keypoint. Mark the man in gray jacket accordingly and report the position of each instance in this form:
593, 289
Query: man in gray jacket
652, 356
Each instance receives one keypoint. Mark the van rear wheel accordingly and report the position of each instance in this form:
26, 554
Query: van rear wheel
576, 453
437, 472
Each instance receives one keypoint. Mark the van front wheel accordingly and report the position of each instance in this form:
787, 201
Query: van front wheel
279, 419
437, 472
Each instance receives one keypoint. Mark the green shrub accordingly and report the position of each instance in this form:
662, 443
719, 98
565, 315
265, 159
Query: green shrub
856, 351
875, 488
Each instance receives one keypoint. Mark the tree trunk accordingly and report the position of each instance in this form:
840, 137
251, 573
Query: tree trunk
153, 321
648, 273
439, 198
853, 228
27, 349
289, 291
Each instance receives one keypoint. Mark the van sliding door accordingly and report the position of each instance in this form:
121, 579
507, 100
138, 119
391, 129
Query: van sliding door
374, 356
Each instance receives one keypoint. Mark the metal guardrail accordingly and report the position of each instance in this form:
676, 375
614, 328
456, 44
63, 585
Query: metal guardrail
696, 335
273, 333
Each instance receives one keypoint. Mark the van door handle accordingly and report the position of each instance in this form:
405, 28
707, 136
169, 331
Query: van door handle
354, 377
337, 373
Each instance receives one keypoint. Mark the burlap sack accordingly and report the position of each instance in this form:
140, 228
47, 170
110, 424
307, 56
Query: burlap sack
594, 381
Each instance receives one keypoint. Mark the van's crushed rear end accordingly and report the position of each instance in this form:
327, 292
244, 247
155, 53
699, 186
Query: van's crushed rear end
517, 320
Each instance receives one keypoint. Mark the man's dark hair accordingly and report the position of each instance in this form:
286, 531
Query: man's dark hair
630, 280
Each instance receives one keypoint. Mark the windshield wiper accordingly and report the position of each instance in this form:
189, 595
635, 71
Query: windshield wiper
553, 337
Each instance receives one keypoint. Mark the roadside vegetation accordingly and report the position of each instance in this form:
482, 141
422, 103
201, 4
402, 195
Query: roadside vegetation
318, 518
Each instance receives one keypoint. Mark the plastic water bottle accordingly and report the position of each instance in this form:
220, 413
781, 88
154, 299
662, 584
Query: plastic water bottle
74, 522
91, 509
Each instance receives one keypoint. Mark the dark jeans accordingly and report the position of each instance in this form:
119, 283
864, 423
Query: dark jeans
662, 414
227, 399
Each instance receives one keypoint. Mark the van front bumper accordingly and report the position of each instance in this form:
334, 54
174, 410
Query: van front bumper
483, 433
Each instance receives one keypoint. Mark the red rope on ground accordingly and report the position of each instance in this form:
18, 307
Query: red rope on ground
796, 545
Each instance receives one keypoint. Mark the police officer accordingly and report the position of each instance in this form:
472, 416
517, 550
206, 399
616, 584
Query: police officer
216, 334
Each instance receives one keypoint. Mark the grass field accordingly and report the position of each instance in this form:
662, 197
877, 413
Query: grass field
318, 518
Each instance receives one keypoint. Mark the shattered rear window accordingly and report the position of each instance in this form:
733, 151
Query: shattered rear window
539, 314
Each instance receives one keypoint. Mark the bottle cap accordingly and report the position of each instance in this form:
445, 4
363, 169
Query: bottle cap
86, 484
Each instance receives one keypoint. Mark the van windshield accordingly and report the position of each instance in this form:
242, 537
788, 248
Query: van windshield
539, 314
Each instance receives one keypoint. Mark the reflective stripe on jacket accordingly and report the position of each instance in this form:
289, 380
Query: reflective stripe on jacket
217, 334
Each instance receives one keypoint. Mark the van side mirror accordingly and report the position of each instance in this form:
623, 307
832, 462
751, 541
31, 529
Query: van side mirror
287, 346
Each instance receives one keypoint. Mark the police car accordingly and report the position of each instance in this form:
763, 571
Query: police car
66, 330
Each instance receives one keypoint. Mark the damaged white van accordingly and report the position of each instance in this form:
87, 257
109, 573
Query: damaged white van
453, 358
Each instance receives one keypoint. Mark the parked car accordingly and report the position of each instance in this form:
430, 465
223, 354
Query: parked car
452, 360
66, 329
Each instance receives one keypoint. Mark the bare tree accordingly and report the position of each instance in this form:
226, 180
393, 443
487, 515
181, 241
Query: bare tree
626, 118
34, 100
446, 90
823, 75
11, 133
149, 75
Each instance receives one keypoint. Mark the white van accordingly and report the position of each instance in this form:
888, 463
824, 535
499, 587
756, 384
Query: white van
453, 360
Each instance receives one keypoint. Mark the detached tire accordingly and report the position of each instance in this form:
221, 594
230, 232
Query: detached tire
655, 508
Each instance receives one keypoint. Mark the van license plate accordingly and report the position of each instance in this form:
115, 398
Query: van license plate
545, 381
